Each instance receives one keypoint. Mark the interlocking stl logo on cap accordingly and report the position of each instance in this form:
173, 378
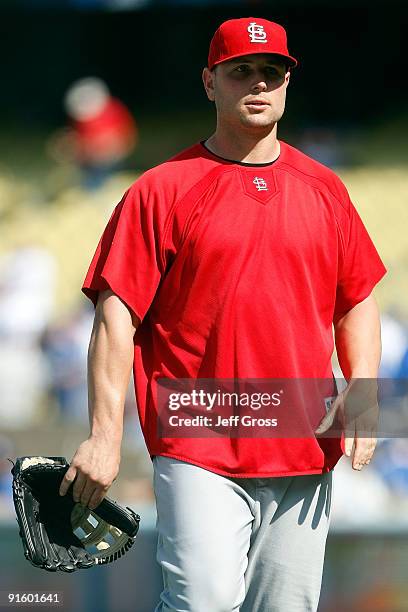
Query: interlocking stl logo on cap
257, 33
246, 36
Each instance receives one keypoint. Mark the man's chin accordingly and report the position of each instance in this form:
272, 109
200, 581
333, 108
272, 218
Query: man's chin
258, 122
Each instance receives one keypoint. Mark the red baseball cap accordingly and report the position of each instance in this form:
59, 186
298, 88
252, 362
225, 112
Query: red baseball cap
245, 36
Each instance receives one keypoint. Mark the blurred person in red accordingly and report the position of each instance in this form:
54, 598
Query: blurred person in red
103, 132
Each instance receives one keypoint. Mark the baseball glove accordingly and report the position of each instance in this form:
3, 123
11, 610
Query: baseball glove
58, 533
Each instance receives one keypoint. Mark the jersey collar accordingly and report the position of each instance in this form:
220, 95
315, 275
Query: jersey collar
239, 163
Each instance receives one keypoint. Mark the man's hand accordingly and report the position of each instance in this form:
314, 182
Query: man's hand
358, 412
93, 468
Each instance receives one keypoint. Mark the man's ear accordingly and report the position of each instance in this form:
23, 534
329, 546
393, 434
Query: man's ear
208, 82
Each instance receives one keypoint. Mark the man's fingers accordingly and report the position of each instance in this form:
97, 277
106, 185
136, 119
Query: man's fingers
374, 439
87, 493
96, 499
364, 451
348, 445
86, 490
349, 436
79, 485
67, 480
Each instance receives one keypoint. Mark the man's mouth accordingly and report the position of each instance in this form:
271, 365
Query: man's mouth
257, 103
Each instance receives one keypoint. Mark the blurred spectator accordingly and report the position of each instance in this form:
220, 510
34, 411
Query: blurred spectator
6, 493
27, 287
350, 485
403, 367
394, 343
65, 346
391, 463
321, 144
101, 135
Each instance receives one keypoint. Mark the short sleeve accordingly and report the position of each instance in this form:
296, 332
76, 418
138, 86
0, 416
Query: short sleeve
360, 266
128, 257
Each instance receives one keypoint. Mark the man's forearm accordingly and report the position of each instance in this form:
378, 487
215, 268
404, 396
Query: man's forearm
358, 340
358, 343
110, 360
95, 464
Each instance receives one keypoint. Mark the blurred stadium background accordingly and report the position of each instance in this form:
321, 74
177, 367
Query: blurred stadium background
65, 162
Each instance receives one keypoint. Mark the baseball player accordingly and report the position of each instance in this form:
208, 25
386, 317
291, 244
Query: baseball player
234, 259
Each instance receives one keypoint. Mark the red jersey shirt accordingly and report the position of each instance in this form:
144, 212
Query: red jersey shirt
235, 270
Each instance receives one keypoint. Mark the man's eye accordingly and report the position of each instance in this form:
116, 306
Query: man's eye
270, 72
273, 71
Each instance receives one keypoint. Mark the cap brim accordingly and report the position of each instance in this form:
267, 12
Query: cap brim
291, 61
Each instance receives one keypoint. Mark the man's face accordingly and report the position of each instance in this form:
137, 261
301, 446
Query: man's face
249, 90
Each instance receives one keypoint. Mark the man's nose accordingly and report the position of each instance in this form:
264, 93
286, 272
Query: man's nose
259, 85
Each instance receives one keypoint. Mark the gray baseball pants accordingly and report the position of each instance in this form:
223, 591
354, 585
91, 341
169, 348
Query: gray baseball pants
239, 544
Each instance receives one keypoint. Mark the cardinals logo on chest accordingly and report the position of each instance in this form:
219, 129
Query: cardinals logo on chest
260, 184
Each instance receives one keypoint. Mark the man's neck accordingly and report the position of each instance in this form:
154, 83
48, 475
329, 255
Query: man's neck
247, 147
